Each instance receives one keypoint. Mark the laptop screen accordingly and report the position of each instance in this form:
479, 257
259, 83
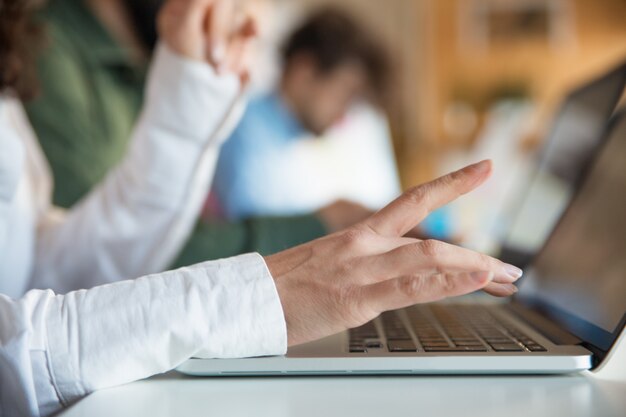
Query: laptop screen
572, 141
580, 274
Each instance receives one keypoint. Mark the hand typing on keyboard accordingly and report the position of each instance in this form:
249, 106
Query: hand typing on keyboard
348, 278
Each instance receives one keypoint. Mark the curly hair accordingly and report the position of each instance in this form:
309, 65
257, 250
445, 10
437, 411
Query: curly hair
19, 41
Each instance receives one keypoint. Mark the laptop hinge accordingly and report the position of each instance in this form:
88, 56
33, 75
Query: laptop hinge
544, 325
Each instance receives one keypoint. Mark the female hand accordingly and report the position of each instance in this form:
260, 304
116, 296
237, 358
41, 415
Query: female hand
214, 31
348, 278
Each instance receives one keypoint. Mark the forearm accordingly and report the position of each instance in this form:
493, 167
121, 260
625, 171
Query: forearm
136, 221
129, 330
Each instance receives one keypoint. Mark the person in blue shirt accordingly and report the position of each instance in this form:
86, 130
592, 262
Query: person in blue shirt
329, 63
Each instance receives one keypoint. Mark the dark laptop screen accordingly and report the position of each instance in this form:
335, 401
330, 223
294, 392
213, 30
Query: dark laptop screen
572, 141
581, 272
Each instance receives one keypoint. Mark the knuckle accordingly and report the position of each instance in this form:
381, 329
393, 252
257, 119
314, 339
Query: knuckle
430, 248
452, 182
417, 195
410, 286
346, 270
344, 296
448, 180
354, 237
446, 283
454, 177
351, 304
351, 237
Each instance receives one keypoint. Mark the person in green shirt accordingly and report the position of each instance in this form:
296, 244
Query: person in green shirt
91, 73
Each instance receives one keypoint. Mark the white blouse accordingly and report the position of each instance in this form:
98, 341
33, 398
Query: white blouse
55, 349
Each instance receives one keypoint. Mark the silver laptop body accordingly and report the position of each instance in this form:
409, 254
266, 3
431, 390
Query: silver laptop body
569, 313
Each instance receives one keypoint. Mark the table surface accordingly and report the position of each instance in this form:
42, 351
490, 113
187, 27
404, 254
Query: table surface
599, 394
537, 396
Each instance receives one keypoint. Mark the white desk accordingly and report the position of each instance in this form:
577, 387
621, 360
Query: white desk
530, 396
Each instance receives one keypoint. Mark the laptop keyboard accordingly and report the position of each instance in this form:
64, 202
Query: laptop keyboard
441, 328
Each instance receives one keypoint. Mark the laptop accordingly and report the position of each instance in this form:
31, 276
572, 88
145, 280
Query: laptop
571, 143
568, 315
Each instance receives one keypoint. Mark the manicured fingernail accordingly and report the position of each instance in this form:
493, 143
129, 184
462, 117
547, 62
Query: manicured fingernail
482, 276
512, 289
478, 172
482, 166
513, 272
218, 53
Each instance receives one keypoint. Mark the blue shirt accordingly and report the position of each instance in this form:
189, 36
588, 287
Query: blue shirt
252, 154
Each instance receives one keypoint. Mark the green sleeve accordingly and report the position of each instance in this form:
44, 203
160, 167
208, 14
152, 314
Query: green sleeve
269, 235
61, 118
215, 240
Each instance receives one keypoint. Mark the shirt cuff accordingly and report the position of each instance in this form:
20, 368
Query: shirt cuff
129, 330
253, 321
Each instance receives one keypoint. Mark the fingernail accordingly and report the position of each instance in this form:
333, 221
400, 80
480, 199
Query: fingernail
218, 53
513, 272
511, 288
482, 166
482, 276
479, 171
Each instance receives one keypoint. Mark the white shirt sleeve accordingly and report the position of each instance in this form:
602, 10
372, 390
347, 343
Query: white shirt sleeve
137, 220
11, 166
54, 349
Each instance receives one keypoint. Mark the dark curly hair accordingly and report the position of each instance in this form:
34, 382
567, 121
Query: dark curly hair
332, 37
19, 41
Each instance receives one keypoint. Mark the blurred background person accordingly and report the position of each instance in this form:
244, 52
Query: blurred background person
333, 73
471, 80
57, 348
92, 75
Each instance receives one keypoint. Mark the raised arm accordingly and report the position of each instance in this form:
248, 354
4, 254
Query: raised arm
137, 220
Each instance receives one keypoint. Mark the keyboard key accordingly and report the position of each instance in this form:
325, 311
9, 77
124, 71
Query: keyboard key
506, 347
456, 349
500, 340
467, 342
359, 335
398, 335
453, 328
536, 348
357, 350
435, 344
357, 347
401, 346
431, 339
374, 345
394, 327
366, 331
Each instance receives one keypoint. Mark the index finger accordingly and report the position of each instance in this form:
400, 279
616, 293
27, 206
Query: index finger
408, 210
